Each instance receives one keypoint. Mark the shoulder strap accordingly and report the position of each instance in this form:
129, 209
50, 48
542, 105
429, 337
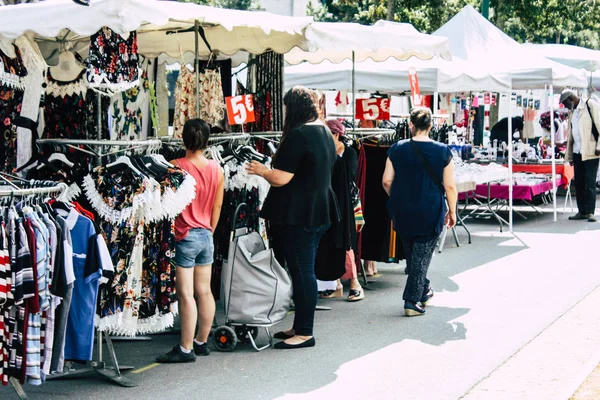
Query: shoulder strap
427, 166
594, 128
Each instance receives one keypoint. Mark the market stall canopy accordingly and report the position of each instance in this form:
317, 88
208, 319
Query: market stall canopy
474, 39
391, 76
227, 31
336, 42
573, 56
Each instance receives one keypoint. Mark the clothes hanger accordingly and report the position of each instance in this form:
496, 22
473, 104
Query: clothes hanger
62, 158
124, 160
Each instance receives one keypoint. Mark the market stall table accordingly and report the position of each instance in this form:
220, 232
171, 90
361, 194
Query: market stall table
497, 193
565, 170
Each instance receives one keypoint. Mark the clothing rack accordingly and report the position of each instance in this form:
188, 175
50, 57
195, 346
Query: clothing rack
112, 373
126, 144
85, 142
12, 191
401, 116
6, 191
219, 137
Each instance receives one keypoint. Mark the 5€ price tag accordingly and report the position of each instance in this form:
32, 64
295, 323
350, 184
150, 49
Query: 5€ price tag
372, 109
240, 109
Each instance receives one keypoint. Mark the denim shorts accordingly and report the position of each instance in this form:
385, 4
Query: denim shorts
196, 249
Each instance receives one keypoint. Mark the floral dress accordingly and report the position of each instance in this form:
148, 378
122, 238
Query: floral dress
130, 110
12, 72
212, 102
113, 61
185, 100
70, 110
137, 222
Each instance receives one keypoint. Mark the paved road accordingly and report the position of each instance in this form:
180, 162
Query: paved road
493, 298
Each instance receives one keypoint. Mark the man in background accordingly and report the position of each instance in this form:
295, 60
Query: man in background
583, 151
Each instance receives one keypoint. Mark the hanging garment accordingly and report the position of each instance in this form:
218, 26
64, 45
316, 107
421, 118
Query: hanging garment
12, 86
341, 102
130, 110
330, 263
71, 110
137, 221
113, 61
30, 109
377, 240
185, 100
212, 103
529, 116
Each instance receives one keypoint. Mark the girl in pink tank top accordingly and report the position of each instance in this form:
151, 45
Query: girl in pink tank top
194, 247
198, 214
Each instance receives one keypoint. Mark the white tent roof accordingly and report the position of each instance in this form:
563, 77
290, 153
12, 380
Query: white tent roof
227, 31
474, 39
391, 76
573, 56
336, 41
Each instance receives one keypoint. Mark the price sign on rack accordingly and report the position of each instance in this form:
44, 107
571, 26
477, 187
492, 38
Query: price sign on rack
372, 109
240, 109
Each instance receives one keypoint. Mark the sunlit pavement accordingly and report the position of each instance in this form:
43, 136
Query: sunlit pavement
511, 318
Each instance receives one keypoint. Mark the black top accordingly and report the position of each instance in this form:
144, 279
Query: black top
500, 130
416, 203
308, 152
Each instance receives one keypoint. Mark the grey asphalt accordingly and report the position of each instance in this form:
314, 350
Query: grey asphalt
492, 298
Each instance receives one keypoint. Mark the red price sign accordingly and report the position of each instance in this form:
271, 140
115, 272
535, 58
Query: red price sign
413, 79
487, 98
372, 109
240, 109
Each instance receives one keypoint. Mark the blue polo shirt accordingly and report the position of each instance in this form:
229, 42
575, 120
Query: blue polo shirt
79, 340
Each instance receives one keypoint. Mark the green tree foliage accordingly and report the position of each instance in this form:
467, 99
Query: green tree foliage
233, 4
537, 21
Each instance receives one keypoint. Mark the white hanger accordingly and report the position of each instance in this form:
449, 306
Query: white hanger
124, 160
62, 158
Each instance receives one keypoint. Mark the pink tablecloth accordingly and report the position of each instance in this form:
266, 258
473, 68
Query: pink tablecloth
519, 192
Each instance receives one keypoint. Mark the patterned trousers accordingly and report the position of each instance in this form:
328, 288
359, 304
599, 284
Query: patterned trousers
418, 259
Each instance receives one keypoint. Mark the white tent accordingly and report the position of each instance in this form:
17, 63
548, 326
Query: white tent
227, 31
474, 39
339, 41
573, 56
391, 76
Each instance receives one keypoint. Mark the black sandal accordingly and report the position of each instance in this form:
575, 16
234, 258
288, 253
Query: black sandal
356, 295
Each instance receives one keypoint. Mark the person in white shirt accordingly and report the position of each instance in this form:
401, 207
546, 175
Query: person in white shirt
583, 151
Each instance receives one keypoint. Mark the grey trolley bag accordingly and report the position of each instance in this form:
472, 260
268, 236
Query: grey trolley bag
256, 290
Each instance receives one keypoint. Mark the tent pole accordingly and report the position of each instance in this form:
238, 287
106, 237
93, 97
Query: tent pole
553, 143
197, 66
353, 90
436, 102
510, 165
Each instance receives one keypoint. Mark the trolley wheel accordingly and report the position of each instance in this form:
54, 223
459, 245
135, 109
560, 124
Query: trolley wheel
242, 333
224, 338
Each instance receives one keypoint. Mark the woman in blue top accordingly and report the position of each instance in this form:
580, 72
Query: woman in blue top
417, 173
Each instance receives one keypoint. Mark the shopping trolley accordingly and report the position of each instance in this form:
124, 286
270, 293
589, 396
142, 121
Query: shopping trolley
256, 290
